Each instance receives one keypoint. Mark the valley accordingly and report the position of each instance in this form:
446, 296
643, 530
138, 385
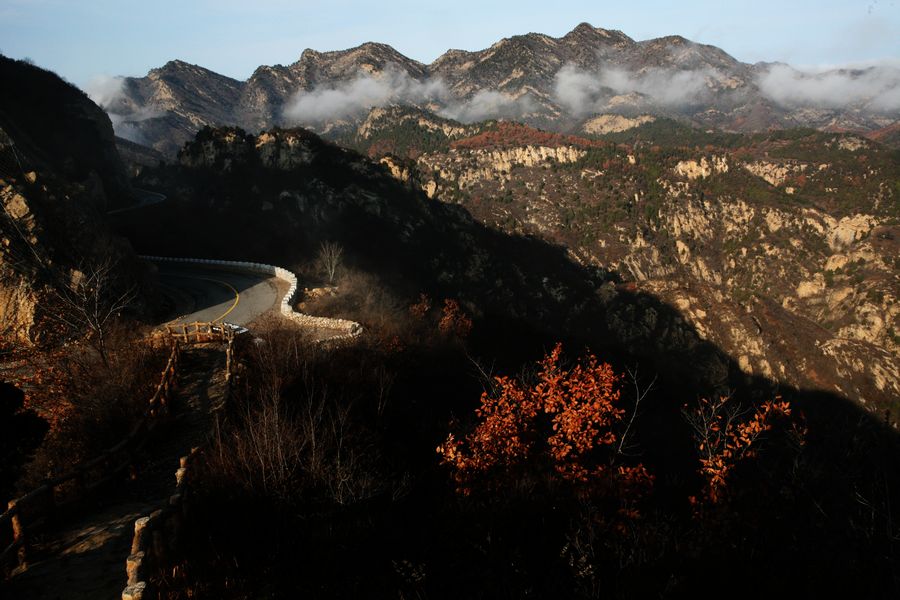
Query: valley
580, 316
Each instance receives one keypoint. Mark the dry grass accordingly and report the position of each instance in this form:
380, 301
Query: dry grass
89, 405
291, 437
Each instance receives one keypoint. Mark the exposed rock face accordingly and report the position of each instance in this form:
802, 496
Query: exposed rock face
703, 168
389, 118
397, 169
614, 123
59, 172
470, 168
542, 80
775, 173
318, 191
48, 230
780, 278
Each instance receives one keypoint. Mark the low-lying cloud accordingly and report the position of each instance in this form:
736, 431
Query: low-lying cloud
488, 104
109, 94
582, 92
366, 91
877, 87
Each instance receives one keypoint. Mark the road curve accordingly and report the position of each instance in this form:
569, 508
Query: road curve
213, 294
143, 198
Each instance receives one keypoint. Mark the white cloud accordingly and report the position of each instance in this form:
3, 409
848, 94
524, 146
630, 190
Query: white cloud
576, 90
105, 90
364, 92
109, 94
488, 104
876, 87
392, 86
583, 92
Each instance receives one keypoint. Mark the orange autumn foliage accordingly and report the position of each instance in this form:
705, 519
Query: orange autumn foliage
454, 320
725, 436
569, 414
420, 309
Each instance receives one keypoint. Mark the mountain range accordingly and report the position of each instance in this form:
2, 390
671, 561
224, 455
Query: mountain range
561, 84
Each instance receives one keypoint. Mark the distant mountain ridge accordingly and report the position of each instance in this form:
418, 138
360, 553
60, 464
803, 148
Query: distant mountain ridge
555, 83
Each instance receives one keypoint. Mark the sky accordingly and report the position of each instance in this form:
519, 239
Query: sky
83, 39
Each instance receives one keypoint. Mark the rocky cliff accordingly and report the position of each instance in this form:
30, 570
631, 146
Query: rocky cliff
724, 274
780, 248
59, 129
59, 172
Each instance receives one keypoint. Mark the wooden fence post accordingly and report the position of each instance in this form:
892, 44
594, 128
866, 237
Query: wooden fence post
140, 532
134, 592
134, 567
18, 530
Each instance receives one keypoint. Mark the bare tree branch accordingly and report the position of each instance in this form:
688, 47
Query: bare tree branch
639, 395
330, 257
92, 301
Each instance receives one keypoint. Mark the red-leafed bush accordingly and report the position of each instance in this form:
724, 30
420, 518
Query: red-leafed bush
566, 418
725, 435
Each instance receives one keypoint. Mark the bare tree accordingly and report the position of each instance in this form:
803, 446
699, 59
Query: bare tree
92, 300
640, 392
330, 257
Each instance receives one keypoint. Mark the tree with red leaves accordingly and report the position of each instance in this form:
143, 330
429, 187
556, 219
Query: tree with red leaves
725, 435
566, 418
454, 320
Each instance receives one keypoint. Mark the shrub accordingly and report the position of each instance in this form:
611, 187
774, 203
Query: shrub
90, 403
725, 435
291, 438
566, 417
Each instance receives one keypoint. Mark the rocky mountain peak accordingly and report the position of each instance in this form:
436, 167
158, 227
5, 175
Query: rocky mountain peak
587, 33
542, 80
176, 66
375, 54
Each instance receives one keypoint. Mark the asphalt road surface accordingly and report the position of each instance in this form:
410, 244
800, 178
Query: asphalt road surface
142, 198
211, 294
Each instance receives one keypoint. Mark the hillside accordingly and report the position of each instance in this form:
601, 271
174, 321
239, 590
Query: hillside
561, 83
780, 248
283, 192
571, 317
275, 196
59, 173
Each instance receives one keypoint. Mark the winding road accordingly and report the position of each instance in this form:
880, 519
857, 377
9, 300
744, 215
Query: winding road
212, 294
143, 198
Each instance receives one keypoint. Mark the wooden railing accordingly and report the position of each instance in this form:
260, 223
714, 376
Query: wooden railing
156, 536
201, 332
41, 506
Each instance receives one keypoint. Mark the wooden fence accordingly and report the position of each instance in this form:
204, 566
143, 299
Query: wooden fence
47, 503
200, 332
156, 539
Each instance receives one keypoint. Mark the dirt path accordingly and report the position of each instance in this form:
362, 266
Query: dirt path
86, 559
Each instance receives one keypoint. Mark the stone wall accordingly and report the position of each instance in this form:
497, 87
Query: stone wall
350, 329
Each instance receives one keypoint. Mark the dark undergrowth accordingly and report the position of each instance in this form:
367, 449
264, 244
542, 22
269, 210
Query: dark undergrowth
324, 482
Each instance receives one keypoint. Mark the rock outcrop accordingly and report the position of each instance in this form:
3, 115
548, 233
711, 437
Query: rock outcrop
59, 173
790, 262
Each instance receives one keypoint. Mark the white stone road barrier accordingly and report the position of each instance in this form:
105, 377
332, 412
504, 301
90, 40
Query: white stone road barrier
351, 329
